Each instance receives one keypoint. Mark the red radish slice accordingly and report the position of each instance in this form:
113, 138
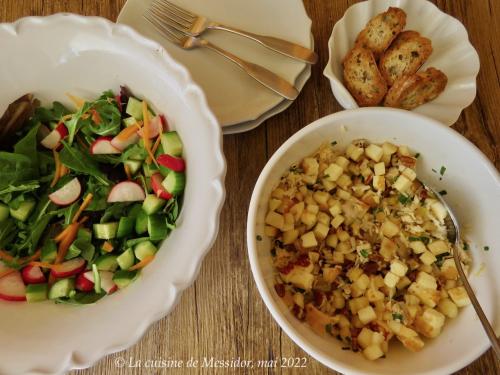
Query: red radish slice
67, 194
102, 145
83, 284
52, 140
122, 144
43, 131
172, 162
164, 122
69, 268
158, 188
126, 191
33, 275
155, 127
12, 287
107, 283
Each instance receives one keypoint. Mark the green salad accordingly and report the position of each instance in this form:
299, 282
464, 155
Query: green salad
86, 197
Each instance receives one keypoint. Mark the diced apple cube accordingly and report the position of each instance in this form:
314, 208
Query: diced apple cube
332, 240
379, 183
344, 181
354, 152
402, 184
439, 211
275, 219
308, 219
309, 240
374, 295
300, 278
270, 231
367, 314
426, 281
330, 274
448, 308
278, 193
459, 296
391, 279
342, 161
410, 174
418, 247
438, 247
387, 249
274, 204
310, 166
414, 344
337, 220
365, 337
379, 169
374, 152
362, 282
342, 194
427, 296
290, 236
389, 229
449, 269
356, 304
398, 268
336, 209
404, 150
403, 283
333, 172
430, 323
389, 148
297, 209
321, 231
312, 208
427, 258
321, 197
337, 257
373, 352
354, 273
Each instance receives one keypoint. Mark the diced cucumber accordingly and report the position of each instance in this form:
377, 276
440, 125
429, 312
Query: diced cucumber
24, 211
73, 250
175, 182
129, 121
152, 204
106, 263
157, 227
141, 223
49, 252
135, 241
36, 292
105, 231
144, 249
149, 169
126, 259
125, 226
159, 150
122, 278
97, 279
4, 212
84, 234
138, 153
62, 288
171, 143
134, 108
133, 165
164, 171
88, 252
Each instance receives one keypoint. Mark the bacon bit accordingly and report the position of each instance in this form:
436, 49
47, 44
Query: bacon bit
280, 290
126, 133
146, 132
79, 102
143, 263
127, 172
408, 161
107, 247
370, 268
319, 297
422, 194
7, 272
303, 261
96, 117
57, 173
298, 312
369, 179
286, 269
83, 206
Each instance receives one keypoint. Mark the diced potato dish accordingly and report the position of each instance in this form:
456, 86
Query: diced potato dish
360, 248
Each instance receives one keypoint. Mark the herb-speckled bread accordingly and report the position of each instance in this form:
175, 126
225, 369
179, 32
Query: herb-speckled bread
405, 56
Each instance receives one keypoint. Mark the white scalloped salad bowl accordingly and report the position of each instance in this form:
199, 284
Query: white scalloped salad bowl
452, 53
473, 186
49, 56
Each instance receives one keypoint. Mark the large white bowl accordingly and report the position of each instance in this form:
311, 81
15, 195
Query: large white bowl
473, 186
85, 55
453, 53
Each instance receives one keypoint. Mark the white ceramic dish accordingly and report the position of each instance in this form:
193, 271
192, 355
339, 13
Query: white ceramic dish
453, 53
232, 94
473, 186
49, 56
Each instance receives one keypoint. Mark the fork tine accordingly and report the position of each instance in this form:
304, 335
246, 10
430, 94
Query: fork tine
165, 31
183, 11
158, 4
168, 17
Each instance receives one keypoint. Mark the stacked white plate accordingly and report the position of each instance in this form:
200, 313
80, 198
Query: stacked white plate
238, 101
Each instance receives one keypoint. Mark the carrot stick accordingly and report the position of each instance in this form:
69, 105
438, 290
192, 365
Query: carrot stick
143, 263
34, 257
66, 242
127, 172
145, 132
42, 264
107, 247
83, 206
64, 171
126, 133
155, 148
57, 173
79, 102
61, 235
6, 256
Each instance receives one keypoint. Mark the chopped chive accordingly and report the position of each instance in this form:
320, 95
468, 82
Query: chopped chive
404, 199
443, 192
417, 155
424, 239
258, 237
434, 170
334, 143
396, 316
442, 170
466, 246
486, 248
364, 253
273, 252
328, 328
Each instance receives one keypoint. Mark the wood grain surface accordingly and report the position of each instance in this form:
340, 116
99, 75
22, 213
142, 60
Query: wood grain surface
222, 314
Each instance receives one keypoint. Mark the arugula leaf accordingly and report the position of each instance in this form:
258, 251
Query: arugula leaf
6, 194
15, 169
76, 122
100, 194
115, 211
7, 232
81, 298
110, 118
28, 145
54, 114
136, 151
80, 162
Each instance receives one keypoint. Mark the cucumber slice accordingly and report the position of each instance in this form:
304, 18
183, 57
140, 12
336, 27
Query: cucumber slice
157, 227
175, 182
105, 231
36, 292
4, 212
97, 279
133, 165
62, 288
152, 204
126, 259
135, 241
123, 278
144, 249
141, 223
149, 169
73, 250
164, 171
24, 211
49, 252
84, 234
88, 252
106, 263
171, 143
129, 121
134, 108
125, 226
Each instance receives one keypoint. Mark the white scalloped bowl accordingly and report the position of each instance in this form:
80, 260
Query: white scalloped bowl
49, 56
467, 171
453, 53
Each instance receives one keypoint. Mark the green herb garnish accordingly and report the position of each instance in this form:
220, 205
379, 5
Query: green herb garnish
466, 246
442, 170
334, 143
364, 253
417, 155
258, 237
486, 248
397, 316
443, 192
424, 239
404, 199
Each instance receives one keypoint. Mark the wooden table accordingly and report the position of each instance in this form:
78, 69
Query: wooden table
222, 315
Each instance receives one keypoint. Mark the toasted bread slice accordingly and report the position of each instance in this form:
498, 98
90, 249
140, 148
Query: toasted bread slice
362, 77
405, 56
409, 92
381, 30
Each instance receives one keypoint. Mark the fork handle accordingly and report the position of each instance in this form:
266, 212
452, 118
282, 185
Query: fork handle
259, 73
284, 47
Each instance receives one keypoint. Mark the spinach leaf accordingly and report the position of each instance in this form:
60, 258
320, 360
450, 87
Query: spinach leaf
110, 118
81, 298
7, 232
100, 194
27, 146
6, 194
114, 212
76, 160
54, 114
15, 169
45, 164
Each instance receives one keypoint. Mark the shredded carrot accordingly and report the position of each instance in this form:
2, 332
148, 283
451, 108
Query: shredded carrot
154, 149
79, 102
126, 133
42, 265
107, 247
31, 258
57, 173
6, 256
66, 242
64, 171
127, 172
143, 263
83, 221
95, 116
7, 272
61, 235
83, 206
146, 132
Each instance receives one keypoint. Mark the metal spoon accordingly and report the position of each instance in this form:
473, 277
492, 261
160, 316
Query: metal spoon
453, 234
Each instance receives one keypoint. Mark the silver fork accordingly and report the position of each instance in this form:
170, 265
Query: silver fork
259, 73
194, 25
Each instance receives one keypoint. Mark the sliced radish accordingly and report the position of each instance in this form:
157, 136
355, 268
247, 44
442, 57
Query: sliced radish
69, 268
83, 284
52, 140
121, 143
158, 188
33, 275
164, 122
107, 283
102, 145
43, 131
12, 287
126, 191
155, 127
67, 194
172, 162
